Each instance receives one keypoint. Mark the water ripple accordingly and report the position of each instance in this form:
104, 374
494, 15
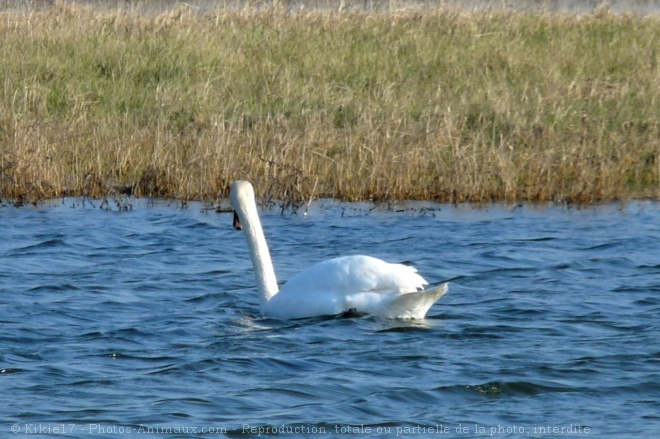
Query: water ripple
150, 318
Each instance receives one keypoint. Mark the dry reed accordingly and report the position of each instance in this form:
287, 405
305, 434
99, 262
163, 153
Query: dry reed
442, 105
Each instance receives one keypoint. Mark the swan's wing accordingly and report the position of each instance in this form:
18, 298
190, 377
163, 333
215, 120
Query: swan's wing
361, 283
352, 274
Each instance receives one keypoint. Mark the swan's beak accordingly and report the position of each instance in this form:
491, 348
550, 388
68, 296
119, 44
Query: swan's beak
237, 222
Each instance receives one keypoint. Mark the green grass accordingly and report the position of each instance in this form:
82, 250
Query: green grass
444, 105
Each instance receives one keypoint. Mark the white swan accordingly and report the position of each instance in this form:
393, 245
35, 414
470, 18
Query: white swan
361, 284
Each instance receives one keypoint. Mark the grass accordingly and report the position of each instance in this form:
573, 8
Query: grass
443, 105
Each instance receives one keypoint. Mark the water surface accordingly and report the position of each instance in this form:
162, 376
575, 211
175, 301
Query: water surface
113, 323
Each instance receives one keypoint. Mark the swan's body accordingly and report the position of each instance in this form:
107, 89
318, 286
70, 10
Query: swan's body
361, 284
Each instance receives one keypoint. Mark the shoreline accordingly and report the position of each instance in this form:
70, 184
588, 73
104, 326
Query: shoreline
325, 206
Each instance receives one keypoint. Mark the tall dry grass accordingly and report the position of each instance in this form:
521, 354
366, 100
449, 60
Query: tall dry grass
443, 105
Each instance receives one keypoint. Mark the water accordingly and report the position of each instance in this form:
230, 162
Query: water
122, 323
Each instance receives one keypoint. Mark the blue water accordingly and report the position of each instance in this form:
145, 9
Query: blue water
115, 324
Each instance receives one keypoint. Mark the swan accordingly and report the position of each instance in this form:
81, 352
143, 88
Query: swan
360, 284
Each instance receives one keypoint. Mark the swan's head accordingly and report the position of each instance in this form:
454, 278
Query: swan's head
242, 199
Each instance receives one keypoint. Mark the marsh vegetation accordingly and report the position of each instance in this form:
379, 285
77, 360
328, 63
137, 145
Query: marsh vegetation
444, 105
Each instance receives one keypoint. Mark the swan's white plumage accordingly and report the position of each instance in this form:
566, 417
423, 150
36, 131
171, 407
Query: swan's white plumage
350, 283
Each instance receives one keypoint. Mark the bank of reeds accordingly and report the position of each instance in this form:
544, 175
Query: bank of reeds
447, 105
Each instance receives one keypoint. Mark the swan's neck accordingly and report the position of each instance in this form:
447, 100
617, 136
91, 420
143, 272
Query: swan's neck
261, 262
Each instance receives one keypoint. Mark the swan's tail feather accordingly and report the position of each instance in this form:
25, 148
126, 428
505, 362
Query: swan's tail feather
415, 305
